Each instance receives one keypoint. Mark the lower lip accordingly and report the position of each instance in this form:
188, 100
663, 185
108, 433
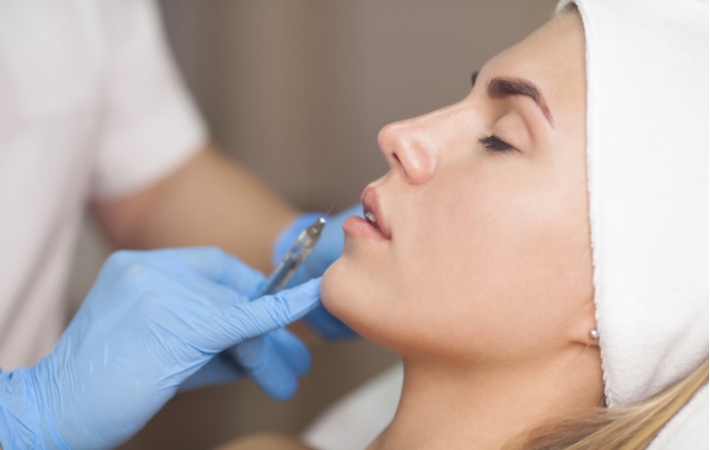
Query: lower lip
359, 227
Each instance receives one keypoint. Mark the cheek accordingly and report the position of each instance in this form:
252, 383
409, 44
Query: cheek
532, 265
450, 228
487, 268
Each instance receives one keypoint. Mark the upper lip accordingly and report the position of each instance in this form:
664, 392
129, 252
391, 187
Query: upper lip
370, 202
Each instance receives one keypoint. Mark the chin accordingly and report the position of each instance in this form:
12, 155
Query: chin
347, 295
332, 289
342, 294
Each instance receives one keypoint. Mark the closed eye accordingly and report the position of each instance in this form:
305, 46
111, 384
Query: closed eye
494, 143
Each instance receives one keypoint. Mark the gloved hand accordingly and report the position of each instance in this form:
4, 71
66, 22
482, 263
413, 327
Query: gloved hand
274, 361
326, 251
151, 320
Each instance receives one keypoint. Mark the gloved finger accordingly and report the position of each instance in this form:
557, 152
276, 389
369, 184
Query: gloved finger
292, 350
248, 320
221, 369
228, 366
267, 367
221, 267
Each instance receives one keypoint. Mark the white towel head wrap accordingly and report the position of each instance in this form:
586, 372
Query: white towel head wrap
647, 156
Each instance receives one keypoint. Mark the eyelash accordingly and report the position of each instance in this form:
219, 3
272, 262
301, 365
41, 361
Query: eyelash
494, 143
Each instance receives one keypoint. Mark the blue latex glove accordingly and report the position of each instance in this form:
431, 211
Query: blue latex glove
151, 320
328, 249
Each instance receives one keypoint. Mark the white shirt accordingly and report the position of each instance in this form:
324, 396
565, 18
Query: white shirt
91, 107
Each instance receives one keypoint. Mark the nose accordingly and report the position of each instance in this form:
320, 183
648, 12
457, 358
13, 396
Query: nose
412, 146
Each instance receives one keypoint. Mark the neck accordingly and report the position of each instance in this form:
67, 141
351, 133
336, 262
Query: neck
485, 408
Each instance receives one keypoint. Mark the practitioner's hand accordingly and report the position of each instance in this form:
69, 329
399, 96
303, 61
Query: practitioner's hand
326, 251
274, 361
151, 321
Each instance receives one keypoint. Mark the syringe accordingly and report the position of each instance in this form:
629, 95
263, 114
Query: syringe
293, 259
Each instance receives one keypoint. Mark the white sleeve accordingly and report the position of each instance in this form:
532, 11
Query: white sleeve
150, 125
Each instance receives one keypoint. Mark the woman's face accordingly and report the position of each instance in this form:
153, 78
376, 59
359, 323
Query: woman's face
482, 245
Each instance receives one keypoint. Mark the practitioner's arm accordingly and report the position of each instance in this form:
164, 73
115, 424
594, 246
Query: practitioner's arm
210, 200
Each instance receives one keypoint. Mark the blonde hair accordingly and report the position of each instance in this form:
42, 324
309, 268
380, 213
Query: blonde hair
623, 428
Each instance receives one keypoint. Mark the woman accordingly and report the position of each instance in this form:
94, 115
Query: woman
537, 253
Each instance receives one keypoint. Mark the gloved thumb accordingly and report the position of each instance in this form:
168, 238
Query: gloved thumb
264, 314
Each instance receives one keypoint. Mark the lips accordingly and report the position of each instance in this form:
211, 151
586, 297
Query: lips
373, 212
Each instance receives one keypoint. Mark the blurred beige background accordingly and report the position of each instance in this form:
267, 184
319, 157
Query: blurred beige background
297, 90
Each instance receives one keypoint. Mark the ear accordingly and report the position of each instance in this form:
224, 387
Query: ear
582, 326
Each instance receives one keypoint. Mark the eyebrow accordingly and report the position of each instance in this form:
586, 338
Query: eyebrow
500, 88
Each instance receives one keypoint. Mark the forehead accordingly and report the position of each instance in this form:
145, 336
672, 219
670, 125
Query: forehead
553, 58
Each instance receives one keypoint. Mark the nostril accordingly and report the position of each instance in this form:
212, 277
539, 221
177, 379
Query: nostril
399, 165
399, 162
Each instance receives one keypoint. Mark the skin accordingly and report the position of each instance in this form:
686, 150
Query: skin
485, 287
